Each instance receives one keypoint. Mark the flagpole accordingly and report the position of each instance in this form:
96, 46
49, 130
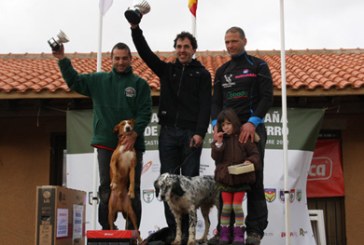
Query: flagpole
95, 161
284, 124
99, 54
193, 28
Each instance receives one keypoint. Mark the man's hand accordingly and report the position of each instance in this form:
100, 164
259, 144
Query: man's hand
247, 131
128, 141
196, 141
59, 54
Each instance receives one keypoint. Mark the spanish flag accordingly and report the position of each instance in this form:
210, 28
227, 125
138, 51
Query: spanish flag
192, 5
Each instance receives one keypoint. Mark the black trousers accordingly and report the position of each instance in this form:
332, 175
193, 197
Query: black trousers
177, 157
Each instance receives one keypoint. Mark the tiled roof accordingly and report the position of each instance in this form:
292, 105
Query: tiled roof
308, 72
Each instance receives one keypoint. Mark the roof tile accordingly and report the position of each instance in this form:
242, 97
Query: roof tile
305, 70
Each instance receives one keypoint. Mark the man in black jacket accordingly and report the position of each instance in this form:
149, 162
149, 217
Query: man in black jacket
184, 108
245, 84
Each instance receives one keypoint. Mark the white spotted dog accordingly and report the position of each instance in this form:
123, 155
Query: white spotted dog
185, 195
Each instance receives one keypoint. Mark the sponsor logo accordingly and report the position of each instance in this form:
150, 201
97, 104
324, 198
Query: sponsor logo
147, 166
299, 195
228, 81
270, 194
281, 195
236, 95
321, 169
291, 234
130, 92
302, 232
245, 73
268, 234
292, 195
148, 195
228, 78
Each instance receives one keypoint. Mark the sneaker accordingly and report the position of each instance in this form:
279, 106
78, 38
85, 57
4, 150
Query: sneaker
253, 239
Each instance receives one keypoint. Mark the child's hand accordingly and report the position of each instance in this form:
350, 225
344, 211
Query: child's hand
218, 136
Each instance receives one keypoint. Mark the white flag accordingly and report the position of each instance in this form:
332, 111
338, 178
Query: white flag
105, 5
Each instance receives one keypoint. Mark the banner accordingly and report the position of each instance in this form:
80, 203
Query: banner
325, 178
303, 124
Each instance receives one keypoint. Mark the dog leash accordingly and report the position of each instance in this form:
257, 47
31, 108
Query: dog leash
193, 149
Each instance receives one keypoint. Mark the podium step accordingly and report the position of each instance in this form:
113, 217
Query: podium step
111, 237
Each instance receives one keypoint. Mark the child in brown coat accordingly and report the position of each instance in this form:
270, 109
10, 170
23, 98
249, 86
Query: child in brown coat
228, 151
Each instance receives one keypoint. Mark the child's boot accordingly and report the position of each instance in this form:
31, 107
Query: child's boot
224, 235
238, 235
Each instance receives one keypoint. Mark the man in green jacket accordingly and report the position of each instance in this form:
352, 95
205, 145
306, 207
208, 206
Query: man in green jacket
116, 95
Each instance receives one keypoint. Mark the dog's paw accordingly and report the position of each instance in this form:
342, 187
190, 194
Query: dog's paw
176, 242
113, 186
131, 194
191, 242
201, 241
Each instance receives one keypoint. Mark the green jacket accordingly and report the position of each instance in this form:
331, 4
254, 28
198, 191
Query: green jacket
115, 97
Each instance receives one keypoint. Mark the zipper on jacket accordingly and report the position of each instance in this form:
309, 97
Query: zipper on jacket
178, 91
234, 149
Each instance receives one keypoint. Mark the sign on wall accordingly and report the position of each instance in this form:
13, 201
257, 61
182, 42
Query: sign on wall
325, 178
303, 124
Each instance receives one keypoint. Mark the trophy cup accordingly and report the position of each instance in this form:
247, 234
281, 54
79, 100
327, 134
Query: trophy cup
56, 43
134, 14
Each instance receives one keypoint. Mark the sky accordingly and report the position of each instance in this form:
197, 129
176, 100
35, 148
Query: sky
26, 25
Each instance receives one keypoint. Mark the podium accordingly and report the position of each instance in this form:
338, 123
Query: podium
111, 237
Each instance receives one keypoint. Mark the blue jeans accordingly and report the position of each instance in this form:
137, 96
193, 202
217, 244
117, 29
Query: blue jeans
104, 157
177, 157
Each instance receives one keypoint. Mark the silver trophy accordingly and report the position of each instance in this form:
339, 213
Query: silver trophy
134, 14
56, 43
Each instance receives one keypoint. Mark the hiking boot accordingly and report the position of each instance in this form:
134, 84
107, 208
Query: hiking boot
224, 235
253, 239
238, 235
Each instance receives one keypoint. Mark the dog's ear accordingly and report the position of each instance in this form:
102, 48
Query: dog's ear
132, 121
177, 189
116, 128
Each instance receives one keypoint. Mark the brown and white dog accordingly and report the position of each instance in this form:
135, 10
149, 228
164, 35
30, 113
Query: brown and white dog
122, 176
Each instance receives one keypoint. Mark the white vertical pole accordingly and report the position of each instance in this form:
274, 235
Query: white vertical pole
193, 25
284, 124
193, 29
99, 54
95, 161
